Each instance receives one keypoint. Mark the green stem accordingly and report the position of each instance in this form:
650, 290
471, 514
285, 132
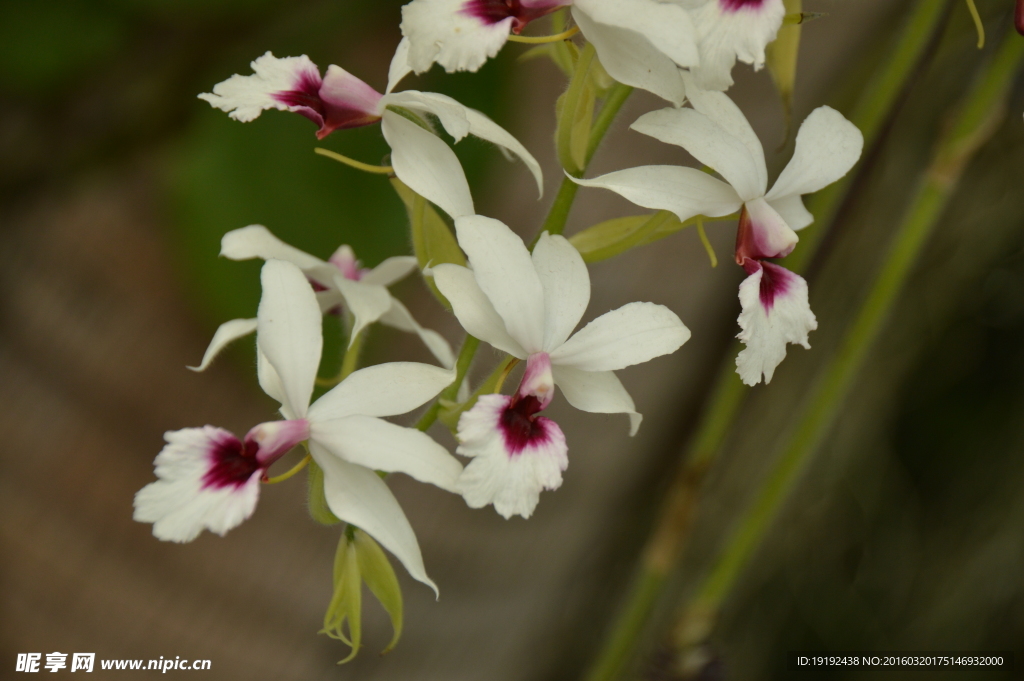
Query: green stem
974, 125
570, 104
666, 543
350, 361
462, 364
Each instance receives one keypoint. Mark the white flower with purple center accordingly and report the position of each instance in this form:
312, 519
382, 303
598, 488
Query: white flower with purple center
728, 30
775, 310
528, 306
339, 281
209, 479
339, 100
639, 42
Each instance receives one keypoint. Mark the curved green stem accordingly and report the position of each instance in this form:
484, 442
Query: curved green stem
462, 364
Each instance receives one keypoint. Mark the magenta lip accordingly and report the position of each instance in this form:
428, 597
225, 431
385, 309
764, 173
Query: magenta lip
330, 117
492, 12
232, 464
521, 427
737, 5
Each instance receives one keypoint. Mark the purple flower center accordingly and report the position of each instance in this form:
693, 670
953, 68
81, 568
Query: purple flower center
495, 11
232, 463
521, 427
775, 281
329, 116
737, 5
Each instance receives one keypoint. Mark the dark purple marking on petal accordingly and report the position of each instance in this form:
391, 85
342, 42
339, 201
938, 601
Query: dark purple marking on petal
492, 12
737, 5
232, 464
775, 281
329, 117
522, 428
750, 241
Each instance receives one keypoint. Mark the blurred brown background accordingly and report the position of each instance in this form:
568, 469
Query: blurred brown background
116, 185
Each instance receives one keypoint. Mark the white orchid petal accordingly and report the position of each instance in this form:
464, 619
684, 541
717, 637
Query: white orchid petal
504, 270
684, 191
483, 127
441, 31
827, 146
451, 114
385, 389
763, 233
630, 58
357, 495
666, 26
384, 446
597, 392
473, 309
391, 270
256, 241
774, 312
634, 333
427, 165
728, 30
400, 67
270, 381
710, 144
566, 284
399, 317
792, 210
245, 97
289, 328
226, 333
366, 302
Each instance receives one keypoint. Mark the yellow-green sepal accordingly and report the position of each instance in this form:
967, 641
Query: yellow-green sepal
781, 58
347, 601
380, 577
613, 237
316, 499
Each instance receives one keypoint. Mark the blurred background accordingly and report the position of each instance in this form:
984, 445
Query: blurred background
906, 532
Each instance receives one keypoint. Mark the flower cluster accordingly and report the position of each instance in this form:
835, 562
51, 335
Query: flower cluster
526, 302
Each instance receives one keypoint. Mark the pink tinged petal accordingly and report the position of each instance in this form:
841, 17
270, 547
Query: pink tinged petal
473, 308
537, 380
357, 495
792, 210
684, 191
400, 66
442, 31
346, 101
597, 392
632, 334
521, 12
289, 323
391, 270
366, 302
774, 312
516, 454
762, 233
566, 283
344, 258
630, 58
274, 439
668, 27
728, 30
245, 97
382, 390
427, 165
504, 270
226, 333
207, 479
384, 446
710, 144
827, 146
399, 317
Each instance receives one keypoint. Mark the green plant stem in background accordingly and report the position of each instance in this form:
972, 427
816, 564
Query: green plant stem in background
977, 119
462, 364
665, 544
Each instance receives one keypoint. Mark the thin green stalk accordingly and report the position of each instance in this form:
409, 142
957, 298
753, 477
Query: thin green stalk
665, 545
351, 359
462, 364
975, 123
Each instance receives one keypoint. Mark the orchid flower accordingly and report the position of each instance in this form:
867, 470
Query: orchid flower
208, 478
728, 30
528, 305
341, 280
339, 100
639, 42
775, 310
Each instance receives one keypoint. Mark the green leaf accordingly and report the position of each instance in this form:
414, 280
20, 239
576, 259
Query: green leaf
781, 60
379, 576
616, 236
318, 508
432, 238
347, 600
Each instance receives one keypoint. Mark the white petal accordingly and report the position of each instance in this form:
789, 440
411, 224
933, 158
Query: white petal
728, 30
483, 127
763, 233
630, 58
366, 302
358, 496
566, 283
245, 97
182, 503
667, 27
256, 241
270, 381
512, 481
400, 67
473, 309
827, 146
427, 165
711, 145
391, 270
792, 210
504, 270
684, 191
441, 31
226, 333
597, 392
289, 324
399, 317
775, 312
382, 390
451, 114
384, 446
634, 333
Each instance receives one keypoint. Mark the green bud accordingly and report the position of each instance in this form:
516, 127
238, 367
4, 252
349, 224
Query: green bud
575, 113
380, 578
318, 508
616, 236
781, 57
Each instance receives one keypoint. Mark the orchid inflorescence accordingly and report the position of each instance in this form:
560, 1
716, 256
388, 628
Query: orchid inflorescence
523, 301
